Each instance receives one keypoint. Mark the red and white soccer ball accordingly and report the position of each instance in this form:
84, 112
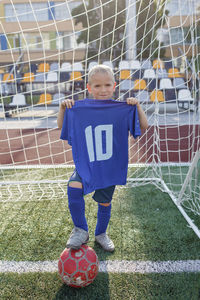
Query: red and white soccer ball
78, 268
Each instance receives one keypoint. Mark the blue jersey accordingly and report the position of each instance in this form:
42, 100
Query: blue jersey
98, 132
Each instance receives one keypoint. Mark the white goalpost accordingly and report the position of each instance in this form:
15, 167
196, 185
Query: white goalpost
47, 49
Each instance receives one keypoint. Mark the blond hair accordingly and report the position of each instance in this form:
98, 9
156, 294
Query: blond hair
100, 69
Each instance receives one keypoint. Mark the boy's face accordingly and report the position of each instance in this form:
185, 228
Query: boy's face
101, 86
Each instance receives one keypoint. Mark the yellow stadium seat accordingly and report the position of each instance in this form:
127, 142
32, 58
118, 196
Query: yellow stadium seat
174, 73
125, 74
76, 75
45, 99
157, 95
43, 67
158, 64
140, 84
28, 77
8, 77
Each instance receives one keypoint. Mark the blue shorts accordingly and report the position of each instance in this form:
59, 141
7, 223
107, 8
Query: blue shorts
101, 195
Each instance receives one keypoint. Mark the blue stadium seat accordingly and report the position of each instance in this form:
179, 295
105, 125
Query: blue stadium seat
146, 64
170, 95
179, 83
64, 76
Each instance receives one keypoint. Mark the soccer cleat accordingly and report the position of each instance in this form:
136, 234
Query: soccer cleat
77, 238
105, 242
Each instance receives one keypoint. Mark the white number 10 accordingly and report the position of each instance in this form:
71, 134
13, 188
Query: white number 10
98, 134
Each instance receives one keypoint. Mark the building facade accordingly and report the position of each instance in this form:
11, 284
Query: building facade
39, 29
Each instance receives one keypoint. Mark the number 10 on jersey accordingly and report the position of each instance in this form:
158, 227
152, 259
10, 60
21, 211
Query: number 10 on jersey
94, 141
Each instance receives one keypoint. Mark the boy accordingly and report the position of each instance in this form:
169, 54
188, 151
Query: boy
97, 173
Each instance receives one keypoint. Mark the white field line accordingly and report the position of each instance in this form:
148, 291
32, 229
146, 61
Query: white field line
115, 266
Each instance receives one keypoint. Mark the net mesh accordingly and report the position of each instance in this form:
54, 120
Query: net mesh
47, 49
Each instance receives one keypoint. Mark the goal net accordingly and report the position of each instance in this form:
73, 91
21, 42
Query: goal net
47, 49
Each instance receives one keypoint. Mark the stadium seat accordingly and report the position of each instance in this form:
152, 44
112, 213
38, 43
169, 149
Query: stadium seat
126, 85
146, 64
185, 97
143, 96
58, 98
28, 77
124, 65
45, 99
54, 67
136, 74
165, 83
64, 76
174, 72
179, 83
33, 68
76, 76
7, 77
18, 100
170, 95
161, 73
77, 66
168, 64
158, 64
52, 77
66, 67
40, 77
151, 84
92, 64
109, 64
125, 74
140, 84
149, 73
157, 95
135, 65
43, 67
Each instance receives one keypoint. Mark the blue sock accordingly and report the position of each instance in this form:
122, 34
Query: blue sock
103, 218
76, 205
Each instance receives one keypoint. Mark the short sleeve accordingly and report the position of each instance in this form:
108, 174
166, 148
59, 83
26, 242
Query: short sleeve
65, 132
134, 122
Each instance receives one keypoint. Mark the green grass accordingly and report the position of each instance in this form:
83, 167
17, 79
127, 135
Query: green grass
105, 287
145, 225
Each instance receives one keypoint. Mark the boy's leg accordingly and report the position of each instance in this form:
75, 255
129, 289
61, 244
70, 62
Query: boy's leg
76, 205
103, 217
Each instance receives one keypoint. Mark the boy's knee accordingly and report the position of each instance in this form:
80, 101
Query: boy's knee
75, 184
105, 204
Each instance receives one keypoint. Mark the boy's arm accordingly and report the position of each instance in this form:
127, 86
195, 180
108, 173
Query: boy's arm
141, 113
68, 103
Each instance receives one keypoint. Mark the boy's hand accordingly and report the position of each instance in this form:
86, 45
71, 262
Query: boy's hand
67, 103
132, 101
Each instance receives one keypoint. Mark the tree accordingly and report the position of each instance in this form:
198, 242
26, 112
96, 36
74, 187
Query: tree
149, 20
104, 26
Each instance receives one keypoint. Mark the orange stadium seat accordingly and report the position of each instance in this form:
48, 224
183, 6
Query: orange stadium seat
157, 95
45, 99
43, 67
140, 84
28, 77
76, 75
125, 74
7, 77
158, 64
174, 73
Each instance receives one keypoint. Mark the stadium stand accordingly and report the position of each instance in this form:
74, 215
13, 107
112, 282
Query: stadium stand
148, 80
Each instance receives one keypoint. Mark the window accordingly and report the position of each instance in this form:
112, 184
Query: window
25, 12
183, 7
63, 9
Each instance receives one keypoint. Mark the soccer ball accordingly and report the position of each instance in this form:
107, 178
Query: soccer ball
78, 268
